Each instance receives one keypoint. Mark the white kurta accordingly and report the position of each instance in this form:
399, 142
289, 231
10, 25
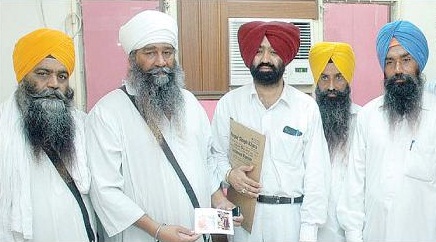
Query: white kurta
390, 189
292, 165
132, 176
36, 204
331, 231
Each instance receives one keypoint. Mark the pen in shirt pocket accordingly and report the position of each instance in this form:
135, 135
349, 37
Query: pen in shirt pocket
411, 144
292, 131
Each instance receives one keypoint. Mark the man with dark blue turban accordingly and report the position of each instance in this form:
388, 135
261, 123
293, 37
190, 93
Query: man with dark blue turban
390, 188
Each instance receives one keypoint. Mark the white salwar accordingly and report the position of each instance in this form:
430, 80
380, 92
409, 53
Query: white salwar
132, 176
332, 231
389, 192
292, 165
35, 203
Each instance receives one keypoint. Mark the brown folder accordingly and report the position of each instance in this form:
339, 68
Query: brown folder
246, 147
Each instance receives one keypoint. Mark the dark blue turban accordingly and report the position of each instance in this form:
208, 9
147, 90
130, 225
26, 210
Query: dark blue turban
410, 38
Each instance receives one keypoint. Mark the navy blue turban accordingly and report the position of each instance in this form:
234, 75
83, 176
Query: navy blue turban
410, 38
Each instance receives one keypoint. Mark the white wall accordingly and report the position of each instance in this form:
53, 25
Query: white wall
19, 17
423, 14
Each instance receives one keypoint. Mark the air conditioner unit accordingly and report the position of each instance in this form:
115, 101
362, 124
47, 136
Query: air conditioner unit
296, 73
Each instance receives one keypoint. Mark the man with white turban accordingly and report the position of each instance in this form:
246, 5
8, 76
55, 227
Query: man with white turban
44, 178
292, 193
135, 190
332, 65
390, 187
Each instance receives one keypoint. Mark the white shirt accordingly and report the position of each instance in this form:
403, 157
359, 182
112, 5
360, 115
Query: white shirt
35, 203
131, 174
390, 189
292, 165
331, 230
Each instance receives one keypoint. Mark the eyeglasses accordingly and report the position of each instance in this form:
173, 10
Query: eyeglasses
152, 54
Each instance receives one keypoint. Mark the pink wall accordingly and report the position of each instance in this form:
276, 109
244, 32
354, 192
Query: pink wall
358, 25
105, 61
209, 106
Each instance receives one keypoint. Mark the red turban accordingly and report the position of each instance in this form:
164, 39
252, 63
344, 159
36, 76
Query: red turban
284, 38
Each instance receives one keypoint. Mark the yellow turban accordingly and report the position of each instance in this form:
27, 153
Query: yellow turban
37, 45
341, 54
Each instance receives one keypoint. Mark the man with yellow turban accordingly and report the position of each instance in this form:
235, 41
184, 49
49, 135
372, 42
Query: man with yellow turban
332, 65
389, 190
292, 194
135, 190
44, 179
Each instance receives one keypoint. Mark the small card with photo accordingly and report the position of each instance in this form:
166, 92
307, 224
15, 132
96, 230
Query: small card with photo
213, 221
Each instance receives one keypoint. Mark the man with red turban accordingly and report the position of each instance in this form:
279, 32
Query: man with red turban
44, 177
292, 193
390, 188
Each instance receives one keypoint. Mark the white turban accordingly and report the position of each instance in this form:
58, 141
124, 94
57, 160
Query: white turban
148, 27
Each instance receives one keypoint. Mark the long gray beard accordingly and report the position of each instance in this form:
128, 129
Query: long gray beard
47, 120
159, 95
336, 117
403, 101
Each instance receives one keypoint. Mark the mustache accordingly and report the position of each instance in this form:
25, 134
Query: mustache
392, 80
339, 94
159, 70
48, 93
328, 92
266, 64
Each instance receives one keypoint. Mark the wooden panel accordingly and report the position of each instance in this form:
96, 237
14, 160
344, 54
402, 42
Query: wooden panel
273, 9
224, 46
190, 43
211, 48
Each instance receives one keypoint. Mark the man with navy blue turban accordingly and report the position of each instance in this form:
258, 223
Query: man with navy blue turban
390, 188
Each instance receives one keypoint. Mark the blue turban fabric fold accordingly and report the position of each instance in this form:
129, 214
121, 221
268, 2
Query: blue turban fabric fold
410, 38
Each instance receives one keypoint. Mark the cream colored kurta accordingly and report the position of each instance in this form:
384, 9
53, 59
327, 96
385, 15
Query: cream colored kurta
331, 231
35, 203
390, 189
131, 175
292, 165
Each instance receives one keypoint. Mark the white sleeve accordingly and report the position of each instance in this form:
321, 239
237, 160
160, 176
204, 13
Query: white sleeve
316, 179
115, 210
220, 139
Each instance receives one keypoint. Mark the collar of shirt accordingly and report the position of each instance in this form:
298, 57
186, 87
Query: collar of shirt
285, 97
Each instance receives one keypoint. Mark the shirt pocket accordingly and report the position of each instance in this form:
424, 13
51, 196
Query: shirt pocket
420, 163
287, 149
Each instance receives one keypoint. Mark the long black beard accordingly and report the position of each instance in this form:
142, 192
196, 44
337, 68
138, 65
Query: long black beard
403, 100
336, 116
159, 94
267, 78
47, 120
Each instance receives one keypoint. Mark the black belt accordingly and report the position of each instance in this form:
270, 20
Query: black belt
279, 200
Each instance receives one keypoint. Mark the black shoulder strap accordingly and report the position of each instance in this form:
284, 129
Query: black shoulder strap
170, 156
60, 167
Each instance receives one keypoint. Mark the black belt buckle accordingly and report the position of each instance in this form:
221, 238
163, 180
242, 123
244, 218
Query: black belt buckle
279, 200
276, 199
